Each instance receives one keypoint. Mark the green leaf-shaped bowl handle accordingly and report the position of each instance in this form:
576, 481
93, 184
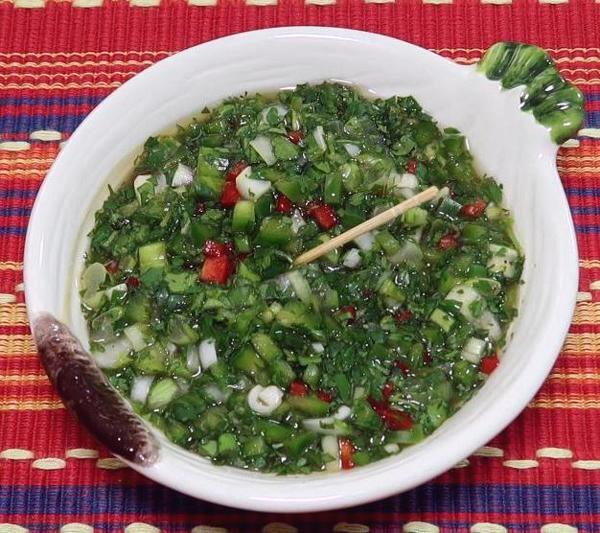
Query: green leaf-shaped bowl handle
554, 102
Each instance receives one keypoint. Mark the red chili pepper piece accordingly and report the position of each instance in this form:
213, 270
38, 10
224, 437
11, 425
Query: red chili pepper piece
346, 453
427, 359
323, 214
112, 266
348, 310
474, 210
396, 420
324, 396
214, 249
403, 316
448, 242
283, 204
132, 282
298, 388
367, 293
230, 195
411, 166
379, 406
235, 169
295, 136
200, 208
402, 366
387, 391
488, 364
216, 269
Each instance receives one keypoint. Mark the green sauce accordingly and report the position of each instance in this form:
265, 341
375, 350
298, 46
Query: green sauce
196, 315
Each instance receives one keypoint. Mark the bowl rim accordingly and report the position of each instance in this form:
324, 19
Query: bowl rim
460, 445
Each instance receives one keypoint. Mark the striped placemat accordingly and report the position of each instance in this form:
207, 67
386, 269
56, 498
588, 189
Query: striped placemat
58, 59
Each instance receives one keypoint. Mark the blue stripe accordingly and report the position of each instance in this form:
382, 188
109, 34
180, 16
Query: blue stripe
11, 230
51, 100
542, 500
24, 124
595, 210
587, 229
15, 212
324, 522
16, 193
582, 191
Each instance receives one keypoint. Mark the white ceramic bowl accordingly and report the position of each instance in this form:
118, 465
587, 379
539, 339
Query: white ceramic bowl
508, 144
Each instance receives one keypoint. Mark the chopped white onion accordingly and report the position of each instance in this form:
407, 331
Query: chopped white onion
264, 149
488, 322
264, 400
343, 412
352, 149
249, 188
365, 241
215, 393
183, 176
193, 360
121, 287
330, 446
409, 253
297, 221
135, 336
359, 392
161, 183
280, 108
140, 388
93, 276
318, 347
466, 295
171, 348
138, 182
300, 286
391, 447
208, 353
473, 350
503, 260
404, 181
443, 193
316, 425
319, 136
351, 258
114, 352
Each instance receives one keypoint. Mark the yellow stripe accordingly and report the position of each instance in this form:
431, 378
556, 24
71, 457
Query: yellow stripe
71, 64
579, 170
586, 343
579, 158
25, 378
589, 263
22, 173
62, 75
11, 265
565, 403
156, 53
60, 86
13, 315
16, 345
45, 405
28, 161
587, 313
582, 376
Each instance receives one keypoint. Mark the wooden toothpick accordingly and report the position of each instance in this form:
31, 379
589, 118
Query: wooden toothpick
368, 225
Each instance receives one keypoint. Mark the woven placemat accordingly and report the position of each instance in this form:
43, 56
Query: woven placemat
60, 59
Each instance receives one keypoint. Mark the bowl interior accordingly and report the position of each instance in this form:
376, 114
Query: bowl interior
507, 144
